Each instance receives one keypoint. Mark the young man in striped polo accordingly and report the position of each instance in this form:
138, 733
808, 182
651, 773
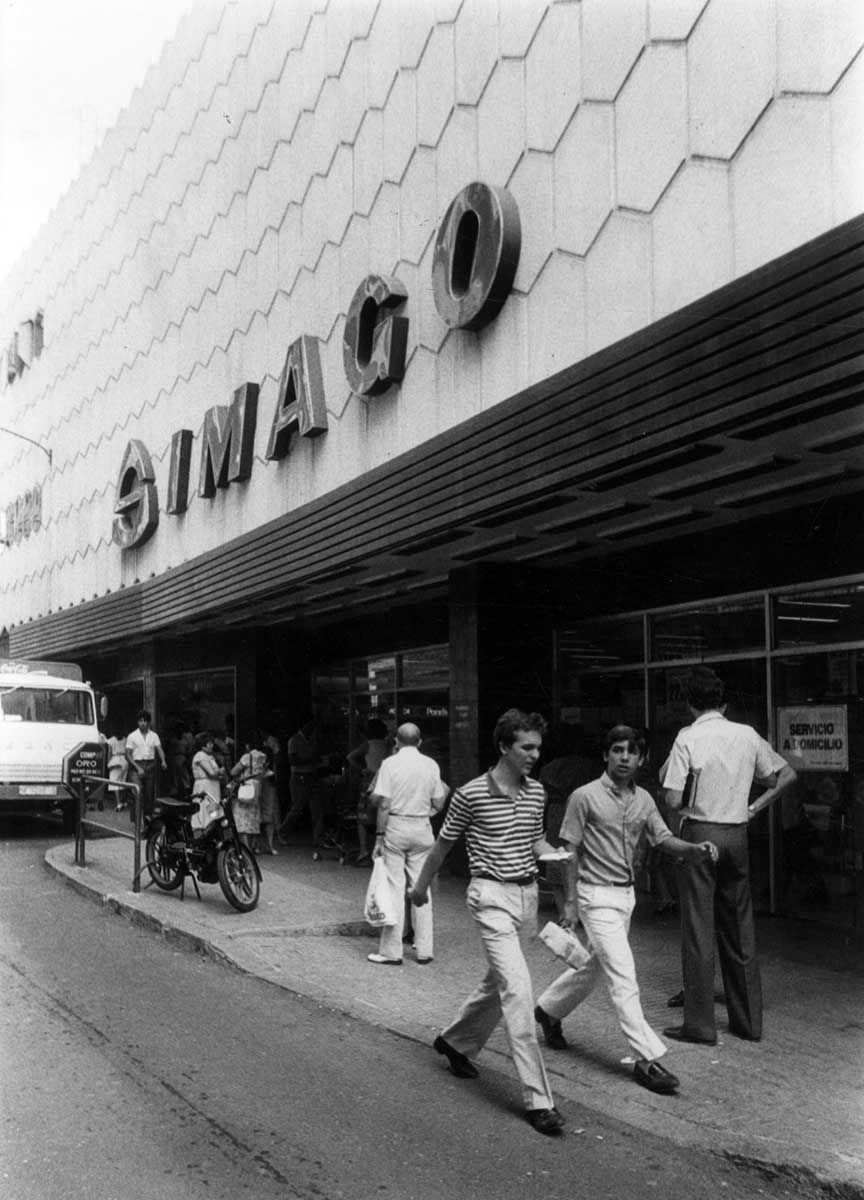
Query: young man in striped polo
501, 815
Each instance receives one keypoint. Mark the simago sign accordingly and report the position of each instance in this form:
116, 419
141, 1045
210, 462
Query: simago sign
473, 266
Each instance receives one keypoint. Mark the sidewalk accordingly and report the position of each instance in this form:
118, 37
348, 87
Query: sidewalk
793, 1102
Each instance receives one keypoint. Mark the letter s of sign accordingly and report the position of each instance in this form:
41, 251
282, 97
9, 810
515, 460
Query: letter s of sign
136, 503
476, 256
373, 347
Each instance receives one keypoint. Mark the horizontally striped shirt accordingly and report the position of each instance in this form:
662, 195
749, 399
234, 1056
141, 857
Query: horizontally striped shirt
500, 832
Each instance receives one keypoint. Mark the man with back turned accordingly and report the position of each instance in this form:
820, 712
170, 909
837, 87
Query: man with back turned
722, 759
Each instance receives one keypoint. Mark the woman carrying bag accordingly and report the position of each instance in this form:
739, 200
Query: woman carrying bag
249, 769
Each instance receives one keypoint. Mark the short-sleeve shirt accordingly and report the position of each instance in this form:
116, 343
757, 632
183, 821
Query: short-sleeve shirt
143, 745
722, 758
410, 781
500, 831
604, 823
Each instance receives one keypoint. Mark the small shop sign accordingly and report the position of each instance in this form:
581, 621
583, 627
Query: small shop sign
814, 738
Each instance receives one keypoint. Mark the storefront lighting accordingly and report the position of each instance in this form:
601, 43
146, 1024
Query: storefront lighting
813, 620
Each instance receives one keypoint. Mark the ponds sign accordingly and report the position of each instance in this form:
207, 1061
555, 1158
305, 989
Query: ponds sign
473, 267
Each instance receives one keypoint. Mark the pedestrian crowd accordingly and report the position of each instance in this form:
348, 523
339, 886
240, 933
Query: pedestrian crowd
584, 830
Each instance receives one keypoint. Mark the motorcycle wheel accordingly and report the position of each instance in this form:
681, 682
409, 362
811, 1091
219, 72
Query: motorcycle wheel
165, 865
238, 877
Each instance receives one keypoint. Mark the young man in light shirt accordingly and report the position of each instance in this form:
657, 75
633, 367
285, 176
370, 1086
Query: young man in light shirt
602, 826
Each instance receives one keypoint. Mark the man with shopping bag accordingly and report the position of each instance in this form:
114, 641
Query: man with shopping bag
407, 791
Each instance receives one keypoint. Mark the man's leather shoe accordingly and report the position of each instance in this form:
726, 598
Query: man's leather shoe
555, 1039
424, 961
679, 1033
547, 1121
745, 1037
460, 1066
382, 961
654, 1077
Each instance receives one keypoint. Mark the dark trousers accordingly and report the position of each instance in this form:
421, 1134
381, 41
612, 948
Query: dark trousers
715, 901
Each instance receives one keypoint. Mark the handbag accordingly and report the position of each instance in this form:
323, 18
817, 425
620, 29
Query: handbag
378, 908
246, 792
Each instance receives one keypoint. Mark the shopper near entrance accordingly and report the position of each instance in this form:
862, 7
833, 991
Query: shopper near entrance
501, 815
303, 757
143, 750
406, 792
603, 824
722, 760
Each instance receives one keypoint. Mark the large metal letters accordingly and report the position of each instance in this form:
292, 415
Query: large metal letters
474, 264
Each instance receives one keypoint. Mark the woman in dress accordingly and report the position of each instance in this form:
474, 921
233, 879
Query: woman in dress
268, 791
249, 769
207, 778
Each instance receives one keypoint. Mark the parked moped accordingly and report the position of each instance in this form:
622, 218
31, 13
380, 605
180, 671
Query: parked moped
214, 854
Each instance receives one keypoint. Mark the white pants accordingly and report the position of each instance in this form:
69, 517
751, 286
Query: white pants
605, 913
504, 911
407, 843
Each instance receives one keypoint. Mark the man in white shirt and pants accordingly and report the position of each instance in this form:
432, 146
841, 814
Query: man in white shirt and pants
407, 790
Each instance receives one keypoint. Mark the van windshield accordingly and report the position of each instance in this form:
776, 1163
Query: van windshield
51, 706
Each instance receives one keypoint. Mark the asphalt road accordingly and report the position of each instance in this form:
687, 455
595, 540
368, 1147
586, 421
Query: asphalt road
132, 1069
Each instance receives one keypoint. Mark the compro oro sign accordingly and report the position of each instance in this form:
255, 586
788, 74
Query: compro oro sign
814, 739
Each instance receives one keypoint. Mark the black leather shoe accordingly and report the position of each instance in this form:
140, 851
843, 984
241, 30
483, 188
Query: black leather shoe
460, 1066
679, 1033
655, 1078
745, 1037
555, 1039
547, 1121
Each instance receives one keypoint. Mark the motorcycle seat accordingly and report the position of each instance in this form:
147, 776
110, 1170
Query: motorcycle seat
178, 808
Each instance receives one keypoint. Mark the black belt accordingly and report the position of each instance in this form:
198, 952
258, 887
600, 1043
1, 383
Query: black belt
522, 881
614, 883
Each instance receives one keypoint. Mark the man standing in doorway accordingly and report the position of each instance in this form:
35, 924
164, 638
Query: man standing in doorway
501, 815
303, 782
407, 790
143, 746
722, 759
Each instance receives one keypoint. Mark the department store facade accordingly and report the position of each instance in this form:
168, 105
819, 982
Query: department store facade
420, 360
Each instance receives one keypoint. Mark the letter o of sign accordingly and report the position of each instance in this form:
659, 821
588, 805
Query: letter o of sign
373, 346
476, 256
136, 504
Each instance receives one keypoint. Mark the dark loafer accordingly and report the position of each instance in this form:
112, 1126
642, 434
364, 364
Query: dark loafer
555, 1039
547, 1121
679, 1033
460, 1066
655, 1078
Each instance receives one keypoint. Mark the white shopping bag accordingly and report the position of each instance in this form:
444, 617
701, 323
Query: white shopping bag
564, 944
378, 909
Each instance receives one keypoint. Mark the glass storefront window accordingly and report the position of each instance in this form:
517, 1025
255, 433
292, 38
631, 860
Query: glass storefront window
821, 843
425, 668
601, 644
725, 627
817, 618
411, 685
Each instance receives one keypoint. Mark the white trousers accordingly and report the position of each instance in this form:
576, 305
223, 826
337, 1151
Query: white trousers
605, 914
407, 843
504, 911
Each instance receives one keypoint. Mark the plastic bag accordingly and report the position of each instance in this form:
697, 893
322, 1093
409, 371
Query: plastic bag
564, 944
378, 909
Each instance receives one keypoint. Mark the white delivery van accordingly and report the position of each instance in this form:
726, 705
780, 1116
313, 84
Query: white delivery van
46, 710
